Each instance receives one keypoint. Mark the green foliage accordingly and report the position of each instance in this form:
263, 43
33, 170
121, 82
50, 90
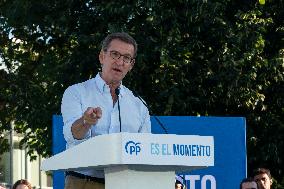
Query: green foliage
218, 58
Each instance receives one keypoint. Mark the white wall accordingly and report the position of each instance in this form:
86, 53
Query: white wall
23, 168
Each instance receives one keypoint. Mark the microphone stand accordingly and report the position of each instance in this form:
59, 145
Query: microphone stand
117, 91
159, 122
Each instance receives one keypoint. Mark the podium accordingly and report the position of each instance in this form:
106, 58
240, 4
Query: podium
137, 160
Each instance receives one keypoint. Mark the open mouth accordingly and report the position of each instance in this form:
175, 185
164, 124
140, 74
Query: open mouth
117, 70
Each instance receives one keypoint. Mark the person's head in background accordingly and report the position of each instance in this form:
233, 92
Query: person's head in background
178, 185
263, 178
22, 184
248, 183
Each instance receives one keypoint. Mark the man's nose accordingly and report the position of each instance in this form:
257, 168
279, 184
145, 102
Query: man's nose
120, 61
261, 184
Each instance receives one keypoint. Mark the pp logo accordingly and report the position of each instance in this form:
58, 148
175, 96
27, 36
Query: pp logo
132, 147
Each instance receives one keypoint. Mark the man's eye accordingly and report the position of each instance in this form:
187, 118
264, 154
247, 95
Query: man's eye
116, 54
127, 58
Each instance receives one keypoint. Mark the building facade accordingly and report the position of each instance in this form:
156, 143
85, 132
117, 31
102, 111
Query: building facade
16, 164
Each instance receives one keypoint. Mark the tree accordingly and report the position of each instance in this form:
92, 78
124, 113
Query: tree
221, 58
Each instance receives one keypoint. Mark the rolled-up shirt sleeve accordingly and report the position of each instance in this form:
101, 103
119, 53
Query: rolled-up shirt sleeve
71, 109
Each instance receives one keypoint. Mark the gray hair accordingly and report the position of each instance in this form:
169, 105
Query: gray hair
122, 36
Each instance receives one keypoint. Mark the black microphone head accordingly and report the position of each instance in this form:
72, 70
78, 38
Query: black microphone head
117, 91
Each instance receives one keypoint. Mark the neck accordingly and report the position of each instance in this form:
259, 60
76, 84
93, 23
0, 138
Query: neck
112, 84
113, 95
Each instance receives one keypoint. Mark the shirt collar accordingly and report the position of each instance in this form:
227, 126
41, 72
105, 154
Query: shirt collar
103, 87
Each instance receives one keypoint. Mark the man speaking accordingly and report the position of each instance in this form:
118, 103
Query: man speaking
103, 105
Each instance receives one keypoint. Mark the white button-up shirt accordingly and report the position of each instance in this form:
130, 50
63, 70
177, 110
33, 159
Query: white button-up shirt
95, 92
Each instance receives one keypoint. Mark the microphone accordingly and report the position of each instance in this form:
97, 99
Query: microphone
117, 91
160, 123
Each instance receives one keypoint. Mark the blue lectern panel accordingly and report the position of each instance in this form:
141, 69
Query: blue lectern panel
230, 148
58, 145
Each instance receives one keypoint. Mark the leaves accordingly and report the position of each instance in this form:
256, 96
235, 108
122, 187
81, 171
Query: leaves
221, 58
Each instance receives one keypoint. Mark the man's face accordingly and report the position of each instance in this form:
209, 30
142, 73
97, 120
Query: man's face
114, 69
263, 181
249, 185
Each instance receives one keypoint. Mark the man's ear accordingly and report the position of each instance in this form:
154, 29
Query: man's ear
101, 57
132, 64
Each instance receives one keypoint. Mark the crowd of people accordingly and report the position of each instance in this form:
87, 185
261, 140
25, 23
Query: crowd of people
261, 179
